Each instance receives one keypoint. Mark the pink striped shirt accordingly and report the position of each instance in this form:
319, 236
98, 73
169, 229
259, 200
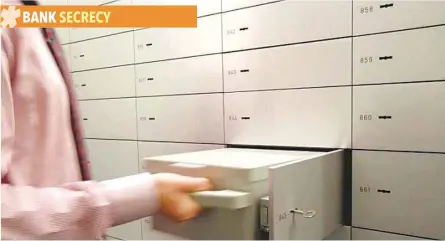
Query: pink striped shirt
43, 197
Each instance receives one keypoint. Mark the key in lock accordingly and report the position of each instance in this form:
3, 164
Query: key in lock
305, 214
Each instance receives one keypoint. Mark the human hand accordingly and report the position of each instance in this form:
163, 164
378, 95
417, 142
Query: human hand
174, 195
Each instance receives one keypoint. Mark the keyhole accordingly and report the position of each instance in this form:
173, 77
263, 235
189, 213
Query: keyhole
389, 5
385, 58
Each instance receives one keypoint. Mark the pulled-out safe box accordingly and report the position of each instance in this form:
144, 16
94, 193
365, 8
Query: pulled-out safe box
303, 191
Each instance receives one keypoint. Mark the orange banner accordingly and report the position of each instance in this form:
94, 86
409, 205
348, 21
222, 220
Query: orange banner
99, 16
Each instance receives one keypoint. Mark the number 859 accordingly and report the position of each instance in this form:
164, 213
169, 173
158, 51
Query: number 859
366, 9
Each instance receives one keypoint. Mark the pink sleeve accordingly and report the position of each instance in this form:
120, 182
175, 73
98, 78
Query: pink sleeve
76, 211
81, 210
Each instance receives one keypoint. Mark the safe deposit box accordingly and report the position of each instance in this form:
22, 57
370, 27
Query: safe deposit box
304, 191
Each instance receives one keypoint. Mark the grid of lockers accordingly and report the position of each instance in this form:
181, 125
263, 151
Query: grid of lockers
360, 75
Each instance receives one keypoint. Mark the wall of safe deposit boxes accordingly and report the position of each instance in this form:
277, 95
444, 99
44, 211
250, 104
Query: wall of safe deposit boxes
365, 75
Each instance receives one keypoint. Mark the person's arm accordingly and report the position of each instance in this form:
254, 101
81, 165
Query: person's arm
81, 210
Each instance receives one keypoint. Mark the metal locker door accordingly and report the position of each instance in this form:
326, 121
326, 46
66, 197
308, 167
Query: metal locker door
305, 198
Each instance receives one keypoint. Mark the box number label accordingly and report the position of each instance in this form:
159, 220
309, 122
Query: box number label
282, 216
366, 60
367, 9
231, 31
365, 189
365, 117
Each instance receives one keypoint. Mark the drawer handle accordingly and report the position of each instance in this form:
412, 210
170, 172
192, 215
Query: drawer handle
150, 79
225, 199
85, 119
152, 118
308, 214
244, 29
389, 5
149, 44
385, 117
244, 70
187, 165
384, 191
83, 85
82, 55
385, 58
245, 118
